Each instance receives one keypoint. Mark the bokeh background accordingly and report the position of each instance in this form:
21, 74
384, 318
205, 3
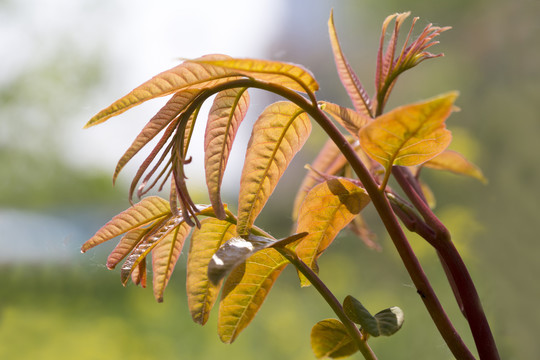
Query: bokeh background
62, 61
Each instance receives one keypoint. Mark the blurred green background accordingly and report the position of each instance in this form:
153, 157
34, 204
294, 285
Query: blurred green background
62, 61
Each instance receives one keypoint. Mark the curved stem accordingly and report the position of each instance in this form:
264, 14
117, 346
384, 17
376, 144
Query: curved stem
354, 332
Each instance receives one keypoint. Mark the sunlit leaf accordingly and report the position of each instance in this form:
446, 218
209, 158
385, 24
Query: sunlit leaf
165, 115
188, 75
348, 77
205, 241
456, 163
149, 209
164, 258
329, 161
409, 135
285, 74
245, 290
385, 322
159, 232
330, 339
349, 119
126, 244
138, 276
226, 114
277, 135
326, 210
237, 250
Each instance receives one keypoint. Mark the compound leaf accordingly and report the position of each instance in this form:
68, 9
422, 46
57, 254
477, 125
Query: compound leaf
288, 75
456, 163
330, 339
411, 134
126, 244
164, 258
326, 210
187, 75
226, 114
245, 290
149, 209
205, 241
278, 134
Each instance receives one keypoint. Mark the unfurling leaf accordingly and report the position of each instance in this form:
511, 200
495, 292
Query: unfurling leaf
144, 212
411, 134
245, 290
348, 77
349, 119
205, 241
226, 114
279, 133
164, 258
385, 322
288, 75
188, 75
330, 339
125, 246
326, 210
456, 163
138, 276
237, 250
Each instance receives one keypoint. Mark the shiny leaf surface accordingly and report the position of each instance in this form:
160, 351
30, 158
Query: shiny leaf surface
149, 209
330, 339
409, 135
278, 134
205, 241
245, 290
226, 114
125, 246
326, 210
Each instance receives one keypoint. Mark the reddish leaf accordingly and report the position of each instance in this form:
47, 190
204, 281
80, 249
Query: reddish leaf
125, 246
349, 119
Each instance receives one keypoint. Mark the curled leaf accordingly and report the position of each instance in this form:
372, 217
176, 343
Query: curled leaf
411, 134
279, 133
330, 339
125, 246
455, 162
385, 322
349, 119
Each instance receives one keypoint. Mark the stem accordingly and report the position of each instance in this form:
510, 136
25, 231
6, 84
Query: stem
318, 284
459, 277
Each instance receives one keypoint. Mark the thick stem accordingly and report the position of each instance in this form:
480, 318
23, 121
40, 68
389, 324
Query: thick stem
459, 276
334, 303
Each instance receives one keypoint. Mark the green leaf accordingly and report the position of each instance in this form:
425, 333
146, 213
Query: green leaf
386, 322
205, 241
188, 75
326, 210
348, 77
164, 258
165, 115
330, 339
226, 114
455, 162
288, 75
149, 209
245, 290
278, 134
237, 250
409, 135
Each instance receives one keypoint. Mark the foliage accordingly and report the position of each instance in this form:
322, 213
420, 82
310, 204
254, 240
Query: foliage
228, 252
